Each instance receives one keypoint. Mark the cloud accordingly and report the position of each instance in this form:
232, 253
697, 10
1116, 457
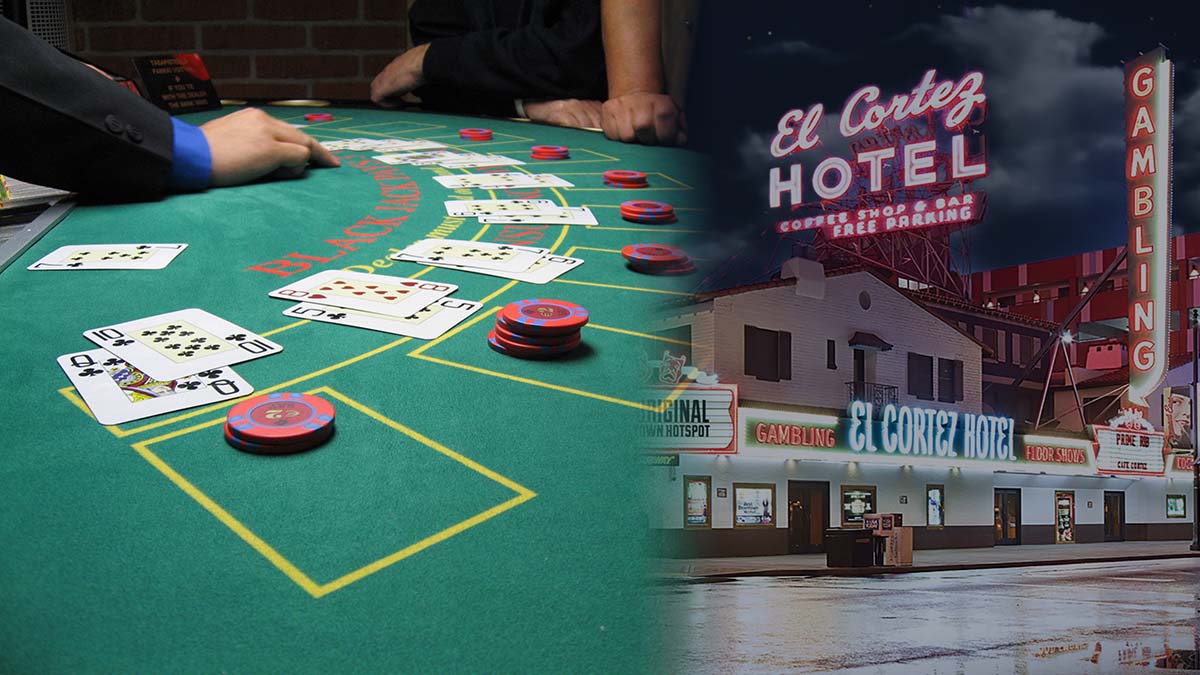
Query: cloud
794, 48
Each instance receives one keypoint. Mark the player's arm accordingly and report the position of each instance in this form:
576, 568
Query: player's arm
67, 126
555, 54
636, 109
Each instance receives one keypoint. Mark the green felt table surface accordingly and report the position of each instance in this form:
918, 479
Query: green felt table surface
474, 512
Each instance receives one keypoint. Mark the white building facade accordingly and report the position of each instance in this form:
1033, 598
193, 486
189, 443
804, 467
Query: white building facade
852, 398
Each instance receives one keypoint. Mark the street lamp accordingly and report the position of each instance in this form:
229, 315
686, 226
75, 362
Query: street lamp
1194, 320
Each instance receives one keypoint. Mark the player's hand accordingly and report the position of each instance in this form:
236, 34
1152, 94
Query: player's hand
250, 144
566, 112
644, 117
405, 73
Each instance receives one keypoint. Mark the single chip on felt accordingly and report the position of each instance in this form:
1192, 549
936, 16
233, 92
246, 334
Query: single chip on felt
277, 448
280, 418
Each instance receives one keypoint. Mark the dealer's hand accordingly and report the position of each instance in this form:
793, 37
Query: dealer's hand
644, 117
567, 112
250, 144
405, 73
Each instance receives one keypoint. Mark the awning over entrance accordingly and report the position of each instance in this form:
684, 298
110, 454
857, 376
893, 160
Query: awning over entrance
863, 340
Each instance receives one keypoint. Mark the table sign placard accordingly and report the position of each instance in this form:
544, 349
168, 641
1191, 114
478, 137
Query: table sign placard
177, 83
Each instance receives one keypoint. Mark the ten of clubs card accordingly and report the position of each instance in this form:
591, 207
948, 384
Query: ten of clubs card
110, 257
178, 344
116, 392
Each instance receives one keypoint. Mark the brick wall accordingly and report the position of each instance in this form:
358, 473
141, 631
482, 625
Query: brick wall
253, 48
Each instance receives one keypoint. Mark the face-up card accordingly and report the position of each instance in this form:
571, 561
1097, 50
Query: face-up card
110, 257
478, 161
471, 254
377, 293
116, 392
426, 324
470, 208
545, 270
177, 344
564, 216
501, 180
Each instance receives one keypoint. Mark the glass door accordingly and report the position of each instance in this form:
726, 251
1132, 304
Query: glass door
808, 516
1114, 516
1064, 517
1008, 517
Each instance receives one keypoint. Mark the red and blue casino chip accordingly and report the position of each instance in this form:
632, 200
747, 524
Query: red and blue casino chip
549, 152
509, 335
622, 178
528, 351
277, 448
655, 254
319, 117
281, 418
475, 134
542, 316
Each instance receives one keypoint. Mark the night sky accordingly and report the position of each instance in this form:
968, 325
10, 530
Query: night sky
1053, 78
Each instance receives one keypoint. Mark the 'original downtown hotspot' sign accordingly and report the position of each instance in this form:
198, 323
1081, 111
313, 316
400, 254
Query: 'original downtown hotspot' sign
898, 144
900, 434
1148, 85
692, 418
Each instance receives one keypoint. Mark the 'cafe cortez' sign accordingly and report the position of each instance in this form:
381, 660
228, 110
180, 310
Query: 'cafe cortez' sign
832, 178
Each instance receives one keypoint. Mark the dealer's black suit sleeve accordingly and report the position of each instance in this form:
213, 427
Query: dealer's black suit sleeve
485, 53
67, 126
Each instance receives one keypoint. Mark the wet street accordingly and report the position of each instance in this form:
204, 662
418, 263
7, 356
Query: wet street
1088, 618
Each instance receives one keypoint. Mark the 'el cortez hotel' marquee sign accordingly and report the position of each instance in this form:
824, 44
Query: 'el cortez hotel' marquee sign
1148, 95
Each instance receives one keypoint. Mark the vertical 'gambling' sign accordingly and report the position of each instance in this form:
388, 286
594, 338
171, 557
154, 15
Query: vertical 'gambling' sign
1148, 89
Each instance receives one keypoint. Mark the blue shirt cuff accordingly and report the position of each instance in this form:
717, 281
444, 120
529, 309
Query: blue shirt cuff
191, 167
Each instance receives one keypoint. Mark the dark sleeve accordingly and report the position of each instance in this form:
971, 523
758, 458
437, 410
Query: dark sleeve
555, 51
69, 127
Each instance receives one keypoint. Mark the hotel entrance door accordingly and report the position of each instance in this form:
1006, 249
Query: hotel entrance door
808, 516
1008, 517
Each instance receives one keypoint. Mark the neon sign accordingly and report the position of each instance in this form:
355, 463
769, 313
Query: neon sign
1148, 88
906, 430
832, 178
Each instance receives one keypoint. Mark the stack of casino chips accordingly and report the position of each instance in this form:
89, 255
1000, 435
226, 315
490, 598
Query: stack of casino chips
621, 178
475, 134
538, 328
646, 211
319, 117
658, 259
281, 423
549, 152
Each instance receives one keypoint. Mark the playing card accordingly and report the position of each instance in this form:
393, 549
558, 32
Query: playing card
432, 157
117, 392
478, 161
376, 293
426, 323
545, 270
177, 344
480, 254
563, 216
470, 208
109, 257
501, 180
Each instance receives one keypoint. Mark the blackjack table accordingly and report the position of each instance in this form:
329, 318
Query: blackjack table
473, 512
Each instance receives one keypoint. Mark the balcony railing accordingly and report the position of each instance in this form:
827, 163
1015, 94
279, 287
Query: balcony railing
869, 392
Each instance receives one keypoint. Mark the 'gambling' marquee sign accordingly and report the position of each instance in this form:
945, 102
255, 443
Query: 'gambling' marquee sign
948, 107
1148, 85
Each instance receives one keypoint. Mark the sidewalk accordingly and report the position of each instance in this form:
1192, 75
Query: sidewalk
931, 560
